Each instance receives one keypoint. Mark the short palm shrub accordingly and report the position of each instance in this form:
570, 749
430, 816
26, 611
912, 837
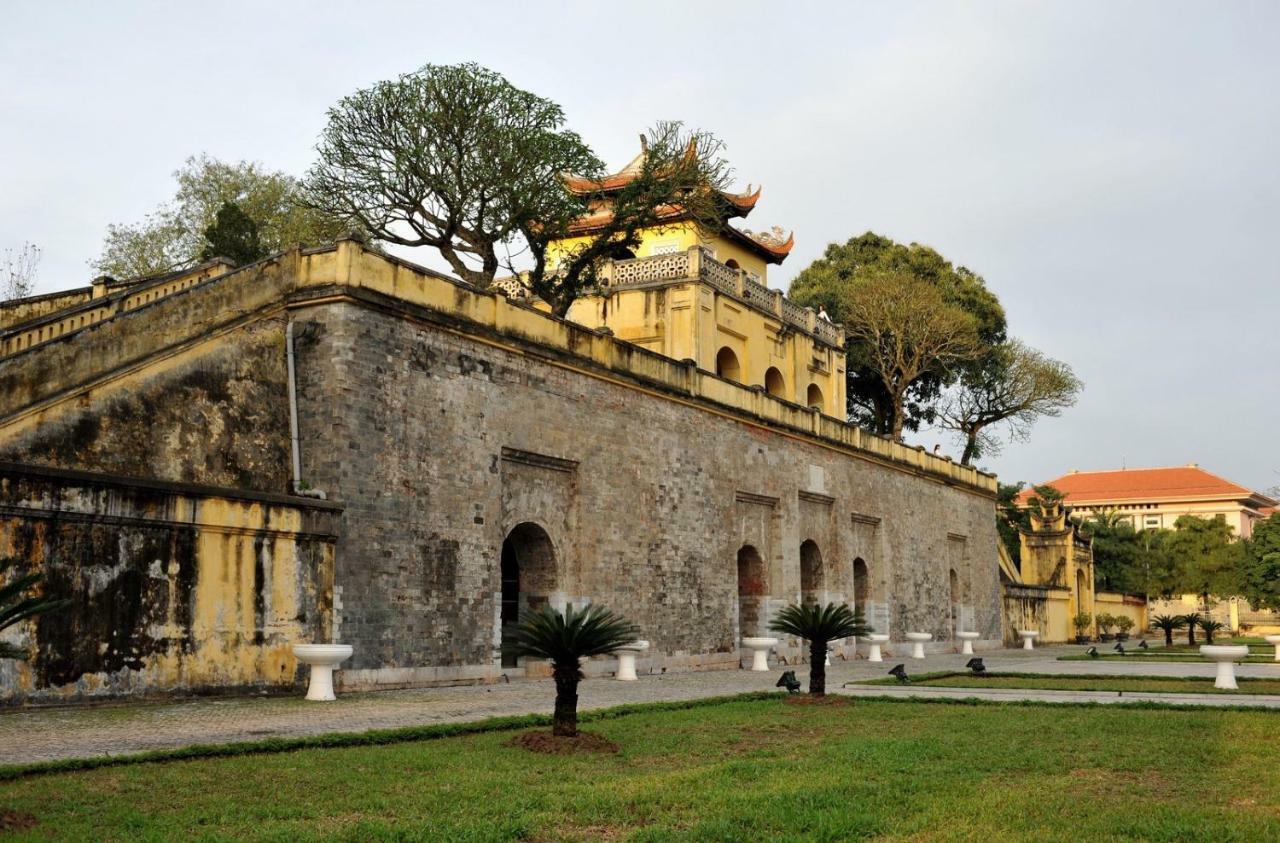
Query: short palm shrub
819, 625
17, 605
1210, 626
1191, 621
1124, 623
564, 640
1167, 624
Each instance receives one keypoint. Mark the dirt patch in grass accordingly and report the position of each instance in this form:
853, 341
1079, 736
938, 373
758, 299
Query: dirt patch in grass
810, 699
16, 821
559, 745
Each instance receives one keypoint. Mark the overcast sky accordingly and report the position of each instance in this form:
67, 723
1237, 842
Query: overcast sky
1109, 168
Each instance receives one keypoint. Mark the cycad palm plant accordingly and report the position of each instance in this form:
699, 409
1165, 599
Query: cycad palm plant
1192, 621
819, 625
1167, 624
565, 639
17, 606
1210, 626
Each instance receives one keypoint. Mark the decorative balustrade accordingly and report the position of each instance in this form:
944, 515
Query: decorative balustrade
698, 264
628, 273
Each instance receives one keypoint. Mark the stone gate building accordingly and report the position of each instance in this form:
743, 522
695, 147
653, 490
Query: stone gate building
332, 444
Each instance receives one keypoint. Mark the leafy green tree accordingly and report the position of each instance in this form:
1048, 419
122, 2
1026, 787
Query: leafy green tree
1010, 518
679, 170
456, 158
1011, 385
565, 639
1260, 565
826, 284
453, 157
173, 236
819, 625
1205, 558
903, 330
1167, 624
18, 602
233, 235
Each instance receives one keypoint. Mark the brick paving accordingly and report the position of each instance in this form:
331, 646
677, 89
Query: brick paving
41, 734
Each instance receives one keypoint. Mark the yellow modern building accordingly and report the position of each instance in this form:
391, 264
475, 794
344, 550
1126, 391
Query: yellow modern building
693, 294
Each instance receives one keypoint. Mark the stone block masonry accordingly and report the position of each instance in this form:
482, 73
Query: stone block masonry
484, 458
441, 445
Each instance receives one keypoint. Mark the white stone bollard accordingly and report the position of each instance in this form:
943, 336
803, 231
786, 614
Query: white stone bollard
1274, 639
627, 660
875, 641
760, 648
966, 649
1028, 638
917, 640
322, 658
1226, 656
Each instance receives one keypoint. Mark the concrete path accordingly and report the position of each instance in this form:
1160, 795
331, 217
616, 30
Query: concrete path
39, 734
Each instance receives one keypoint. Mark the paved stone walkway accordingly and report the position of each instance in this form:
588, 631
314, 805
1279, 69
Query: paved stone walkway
39, 734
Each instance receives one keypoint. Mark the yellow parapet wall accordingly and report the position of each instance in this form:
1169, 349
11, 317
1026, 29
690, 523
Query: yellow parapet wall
89, 363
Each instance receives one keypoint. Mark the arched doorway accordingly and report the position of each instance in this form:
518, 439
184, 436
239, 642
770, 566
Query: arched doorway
751, 591
732, 264
727, 364
1080, 592
528, 574
774, 383
813, 398
811, 579
861, 585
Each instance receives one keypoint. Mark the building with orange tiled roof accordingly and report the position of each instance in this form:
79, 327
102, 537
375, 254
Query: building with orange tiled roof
1154, 498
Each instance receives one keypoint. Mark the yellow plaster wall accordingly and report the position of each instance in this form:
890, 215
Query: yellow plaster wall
262, 572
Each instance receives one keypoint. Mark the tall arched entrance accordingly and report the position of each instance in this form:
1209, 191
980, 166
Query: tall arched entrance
811, 579
751, 591
774, 383
861, 586
528, 574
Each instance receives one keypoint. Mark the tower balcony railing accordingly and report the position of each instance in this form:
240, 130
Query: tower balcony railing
696, 264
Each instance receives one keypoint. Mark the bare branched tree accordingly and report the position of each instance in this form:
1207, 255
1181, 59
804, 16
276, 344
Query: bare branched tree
452, 157
1012, 385
18, 271
905, 329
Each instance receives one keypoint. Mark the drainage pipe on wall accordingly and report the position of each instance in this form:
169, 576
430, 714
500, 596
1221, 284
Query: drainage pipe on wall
294, 440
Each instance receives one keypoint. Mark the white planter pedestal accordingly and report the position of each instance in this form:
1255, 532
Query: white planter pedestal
917, 640
627, 660
1226, 656
1029, 637
1274, 639
322, 658
875, 640
966, 649
760, 648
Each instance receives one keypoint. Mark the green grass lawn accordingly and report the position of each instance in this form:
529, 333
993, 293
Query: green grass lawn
1174, 654
1048, 682
743, 770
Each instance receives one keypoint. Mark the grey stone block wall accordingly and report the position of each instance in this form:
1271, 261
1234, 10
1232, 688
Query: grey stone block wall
439, 444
